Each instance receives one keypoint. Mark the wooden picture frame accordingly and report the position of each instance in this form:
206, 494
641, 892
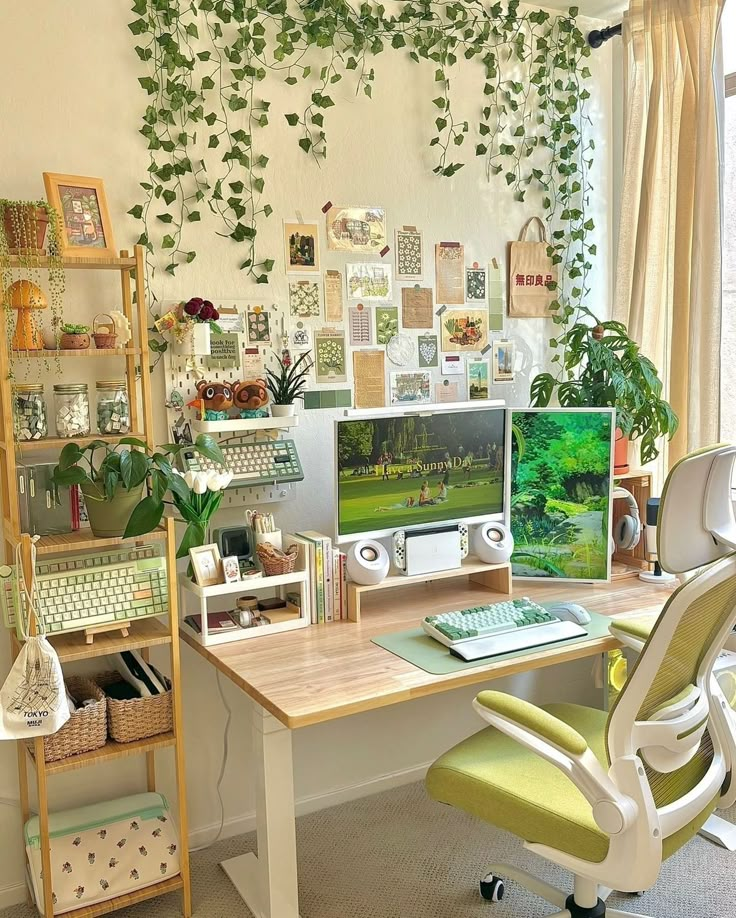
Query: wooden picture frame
85, 228
206, 565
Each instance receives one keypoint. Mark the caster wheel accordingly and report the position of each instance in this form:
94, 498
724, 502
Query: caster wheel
492, 888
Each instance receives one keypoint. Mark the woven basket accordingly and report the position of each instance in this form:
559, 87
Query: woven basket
104, 340
136, 718
73, 342
85, 730
275, 562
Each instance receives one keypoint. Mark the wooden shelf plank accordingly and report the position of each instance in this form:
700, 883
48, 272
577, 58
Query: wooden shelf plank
61, 442
82, 540
132, 898
251, 584
144, 632
78, 352
111, 750
77, 262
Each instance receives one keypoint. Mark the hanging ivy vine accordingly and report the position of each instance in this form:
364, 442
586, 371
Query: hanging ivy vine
208, 67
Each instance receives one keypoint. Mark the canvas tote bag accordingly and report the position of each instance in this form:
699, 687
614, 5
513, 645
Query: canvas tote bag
530, 271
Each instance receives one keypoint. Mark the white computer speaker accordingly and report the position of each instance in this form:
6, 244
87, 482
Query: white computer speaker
493, 543
367, 562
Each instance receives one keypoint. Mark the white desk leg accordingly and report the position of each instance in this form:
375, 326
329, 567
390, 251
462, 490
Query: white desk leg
268, 882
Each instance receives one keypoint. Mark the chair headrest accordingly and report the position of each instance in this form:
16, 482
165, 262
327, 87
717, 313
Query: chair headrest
696, 524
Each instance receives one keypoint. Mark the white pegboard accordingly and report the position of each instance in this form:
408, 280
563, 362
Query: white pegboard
182, 375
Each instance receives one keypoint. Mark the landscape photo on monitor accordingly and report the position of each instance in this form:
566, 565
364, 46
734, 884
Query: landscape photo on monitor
560, 493
409, 471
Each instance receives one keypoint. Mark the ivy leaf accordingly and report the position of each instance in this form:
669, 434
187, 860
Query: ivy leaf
168, 243
214, 141
207, 83
292, 119
306, 144
194, 216
165, 218
439, 102
136, 211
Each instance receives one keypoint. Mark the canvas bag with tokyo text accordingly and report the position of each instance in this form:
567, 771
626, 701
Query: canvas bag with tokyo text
530, 273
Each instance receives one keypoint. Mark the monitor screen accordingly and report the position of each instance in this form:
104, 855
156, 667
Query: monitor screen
413, 470
561, 479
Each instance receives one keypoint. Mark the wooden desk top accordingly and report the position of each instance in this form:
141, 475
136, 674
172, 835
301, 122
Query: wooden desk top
329, 671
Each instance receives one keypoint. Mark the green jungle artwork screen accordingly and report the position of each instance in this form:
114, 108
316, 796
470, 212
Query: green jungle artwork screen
560, 493
408, 471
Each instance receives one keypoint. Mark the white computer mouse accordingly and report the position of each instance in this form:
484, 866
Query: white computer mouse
568, 612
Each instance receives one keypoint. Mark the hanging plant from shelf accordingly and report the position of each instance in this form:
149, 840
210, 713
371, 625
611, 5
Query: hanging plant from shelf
208, 67
30, 268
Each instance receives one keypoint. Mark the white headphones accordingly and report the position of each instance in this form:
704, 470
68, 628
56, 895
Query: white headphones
627, 531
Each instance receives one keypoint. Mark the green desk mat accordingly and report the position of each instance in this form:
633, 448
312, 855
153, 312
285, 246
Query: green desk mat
422, 651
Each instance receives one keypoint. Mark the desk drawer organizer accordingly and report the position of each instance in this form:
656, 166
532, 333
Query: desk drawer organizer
86, 728
137, 718
105, 850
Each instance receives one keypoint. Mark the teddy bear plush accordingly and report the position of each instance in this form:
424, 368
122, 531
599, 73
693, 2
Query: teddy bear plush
250, 398
216, 399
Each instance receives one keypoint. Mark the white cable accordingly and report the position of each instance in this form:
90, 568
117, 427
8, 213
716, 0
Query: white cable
223, 766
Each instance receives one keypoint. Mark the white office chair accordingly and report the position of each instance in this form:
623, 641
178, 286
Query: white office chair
609, 797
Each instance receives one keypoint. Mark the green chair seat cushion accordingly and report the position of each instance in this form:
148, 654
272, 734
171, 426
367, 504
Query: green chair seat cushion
639, 627
495, 778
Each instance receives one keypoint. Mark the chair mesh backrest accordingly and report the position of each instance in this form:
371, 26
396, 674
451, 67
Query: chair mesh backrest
701, 623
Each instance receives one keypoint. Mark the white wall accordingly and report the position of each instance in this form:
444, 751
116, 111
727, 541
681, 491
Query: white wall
71, 103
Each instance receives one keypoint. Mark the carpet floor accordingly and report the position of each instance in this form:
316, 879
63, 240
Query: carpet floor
399, 855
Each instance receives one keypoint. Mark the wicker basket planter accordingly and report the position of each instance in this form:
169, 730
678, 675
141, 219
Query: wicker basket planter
136, 718
106, 338
85, 730
70, 342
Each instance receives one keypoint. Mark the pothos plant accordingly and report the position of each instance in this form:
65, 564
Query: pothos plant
209, 64
26, 226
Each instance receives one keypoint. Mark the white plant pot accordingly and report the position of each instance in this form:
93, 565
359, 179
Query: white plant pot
195, 344
283, 411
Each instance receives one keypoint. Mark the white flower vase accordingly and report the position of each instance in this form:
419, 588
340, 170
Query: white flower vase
283, 411
195, 344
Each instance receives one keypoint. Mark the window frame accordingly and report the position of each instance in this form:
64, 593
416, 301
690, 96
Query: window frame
731, 85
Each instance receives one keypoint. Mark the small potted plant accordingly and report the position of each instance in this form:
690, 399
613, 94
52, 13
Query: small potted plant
191, 325
601, 367
288, 384
74, 337
112, 478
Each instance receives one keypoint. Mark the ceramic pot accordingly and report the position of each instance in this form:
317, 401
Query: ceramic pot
620, 453
283, 411
108, 518
30, 218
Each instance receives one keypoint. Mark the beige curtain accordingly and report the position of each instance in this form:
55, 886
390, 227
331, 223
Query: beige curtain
668, 284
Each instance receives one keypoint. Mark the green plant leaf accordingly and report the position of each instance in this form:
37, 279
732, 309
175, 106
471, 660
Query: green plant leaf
145, 517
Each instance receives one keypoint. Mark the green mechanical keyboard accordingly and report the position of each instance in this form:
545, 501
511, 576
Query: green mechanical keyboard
451, 628
252, 463
82, 591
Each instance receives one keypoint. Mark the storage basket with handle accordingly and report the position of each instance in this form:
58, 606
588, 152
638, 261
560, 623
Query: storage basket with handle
86, 728
106, 336
136, 718
275, 562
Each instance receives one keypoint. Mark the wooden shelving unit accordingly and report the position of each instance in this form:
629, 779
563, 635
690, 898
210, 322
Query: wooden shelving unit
629, 564
72, 646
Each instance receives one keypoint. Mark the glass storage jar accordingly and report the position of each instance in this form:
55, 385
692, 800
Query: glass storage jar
71, 402
113, 407
30, 421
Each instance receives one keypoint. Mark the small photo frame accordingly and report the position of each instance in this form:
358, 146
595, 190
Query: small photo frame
231, 569
504, 357
206, 565
84, 220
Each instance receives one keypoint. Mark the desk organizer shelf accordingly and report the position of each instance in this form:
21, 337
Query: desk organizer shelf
244, 425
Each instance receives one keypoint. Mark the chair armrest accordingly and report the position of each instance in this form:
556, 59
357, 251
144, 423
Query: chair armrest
535, 720
561, 745
633, 630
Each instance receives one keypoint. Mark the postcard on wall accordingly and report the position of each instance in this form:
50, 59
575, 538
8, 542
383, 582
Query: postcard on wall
301, 248
478, 379
231, 319
447, 392
387, 323
224, 352
409, 254
369, 282
504, 354
496, 297
369, 371
258, 324
304, 299
428, 351
416, 307
475, 284
464, 329
329, 360
450, 273
333, 296
360, 325
356, 229
410, 388
253, 363
300, 337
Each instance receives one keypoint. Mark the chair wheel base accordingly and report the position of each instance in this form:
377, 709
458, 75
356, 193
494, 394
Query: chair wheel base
492, 888
576, 911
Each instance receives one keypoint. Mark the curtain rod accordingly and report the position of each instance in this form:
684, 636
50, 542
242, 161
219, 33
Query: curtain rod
599, 37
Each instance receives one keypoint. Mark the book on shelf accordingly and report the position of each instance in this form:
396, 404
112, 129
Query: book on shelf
217, 623
325, 605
